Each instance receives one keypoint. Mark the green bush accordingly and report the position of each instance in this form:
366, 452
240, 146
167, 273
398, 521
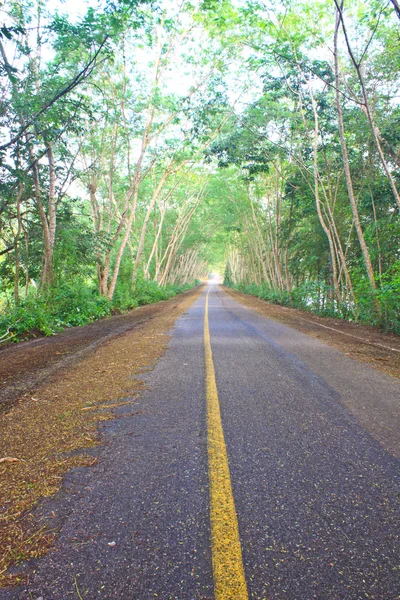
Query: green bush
317, 297
50, 312
389, 299
265, 292
148, 292
29, 317
78, 305
69, 305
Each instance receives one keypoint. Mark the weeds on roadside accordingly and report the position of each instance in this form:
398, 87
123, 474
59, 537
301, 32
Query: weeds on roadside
318, 298
70, 305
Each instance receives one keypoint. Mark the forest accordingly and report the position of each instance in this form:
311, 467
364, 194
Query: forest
145, 144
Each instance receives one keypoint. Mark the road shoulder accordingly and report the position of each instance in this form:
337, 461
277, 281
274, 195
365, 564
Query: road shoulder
54, 427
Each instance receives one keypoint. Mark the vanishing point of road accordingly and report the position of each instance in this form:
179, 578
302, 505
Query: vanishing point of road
244, 474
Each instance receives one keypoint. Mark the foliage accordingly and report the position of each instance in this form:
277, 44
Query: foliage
49, 312
148, 292
389, 294
145, 145
73, 305
312, 297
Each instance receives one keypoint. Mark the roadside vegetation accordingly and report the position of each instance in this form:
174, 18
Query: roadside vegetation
312, 297
65, 306
143, 145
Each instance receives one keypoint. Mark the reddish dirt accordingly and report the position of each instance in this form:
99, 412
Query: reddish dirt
364, 343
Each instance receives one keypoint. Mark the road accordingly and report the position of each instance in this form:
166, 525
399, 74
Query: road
303, 499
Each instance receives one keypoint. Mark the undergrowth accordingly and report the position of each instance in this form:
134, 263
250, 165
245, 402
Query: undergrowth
312, 298
69, 305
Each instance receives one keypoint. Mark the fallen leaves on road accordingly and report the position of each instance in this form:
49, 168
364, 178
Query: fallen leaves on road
45, 430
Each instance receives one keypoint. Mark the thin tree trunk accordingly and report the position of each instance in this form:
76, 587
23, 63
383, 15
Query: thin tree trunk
150, 208
16, 244
269, 278
178, 236
340, 255
47, 274
366, 108
155, 243
346, 166
318, 199
47, 254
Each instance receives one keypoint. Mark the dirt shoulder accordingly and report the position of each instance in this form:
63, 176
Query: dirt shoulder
26, 365
367, 344
50, 426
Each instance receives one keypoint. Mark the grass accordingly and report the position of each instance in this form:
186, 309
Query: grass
73, 305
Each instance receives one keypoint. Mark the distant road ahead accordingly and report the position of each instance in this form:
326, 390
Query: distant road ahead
316, 497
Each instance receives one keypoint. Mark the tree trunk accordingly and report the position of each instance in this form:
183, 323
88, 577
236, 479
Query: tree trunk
366, 108
318, 200
346, 166
150, 208
16, 244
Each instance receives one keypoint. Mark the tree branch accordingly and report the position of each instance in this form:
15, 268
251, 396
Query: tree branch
9, 249
83, 74
396, 7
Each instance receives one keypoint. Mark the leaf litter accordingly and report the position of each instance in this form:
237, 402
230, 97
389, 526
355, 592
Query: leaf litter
46, 432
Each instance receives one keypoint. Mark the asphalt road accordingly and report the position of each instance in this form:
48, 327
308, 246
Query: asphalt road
316, 496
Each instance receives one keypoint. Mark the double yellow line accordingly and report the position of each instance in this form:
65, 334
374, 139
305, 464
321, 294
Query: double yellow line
228, 571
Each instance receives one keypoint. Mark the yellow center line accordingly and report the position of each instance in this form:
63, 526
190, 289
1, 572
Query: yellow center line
228, 571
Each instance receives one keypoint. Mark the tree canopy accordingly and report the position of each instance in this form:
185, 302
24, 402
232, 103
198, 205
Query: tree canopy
144, 144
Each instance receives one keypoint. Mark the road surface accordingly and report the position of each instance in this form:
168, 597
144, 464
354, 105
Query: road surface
260, 434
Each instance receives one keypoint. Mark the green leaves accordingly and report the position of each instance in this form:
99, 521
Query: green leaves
232, 98
10, 32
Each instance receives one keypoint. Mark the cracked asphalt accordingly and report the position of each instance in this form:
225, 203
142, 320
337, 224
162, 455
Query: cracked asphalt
317, 494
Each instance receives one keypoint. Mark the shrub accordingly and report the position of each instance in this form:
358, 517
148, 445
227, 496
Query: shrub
52, 311
318, 298
75, 304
